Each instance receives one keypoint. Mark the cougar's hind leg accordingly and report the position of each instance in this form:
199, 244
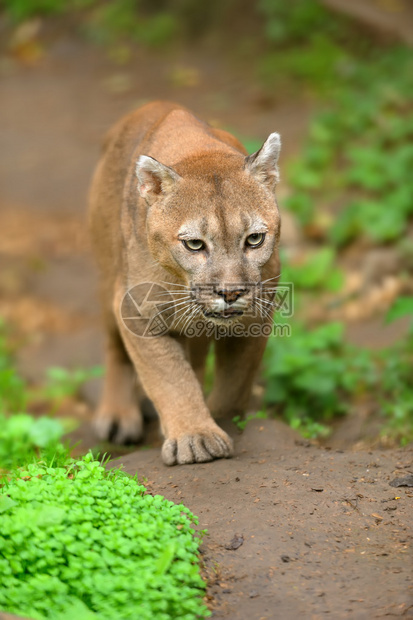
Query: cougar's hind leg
236, 360
197, 352
119, 418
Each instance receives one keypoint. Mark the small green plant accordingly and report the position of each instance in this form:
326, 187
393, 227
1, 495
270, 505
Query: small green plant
295, 22
13, 389
81, 541
19, 10
403, 306
22, 438
107, 23
126, 20
396, 397
61, 383
241, 423
312, 376
315, 376
318, 271
306, 46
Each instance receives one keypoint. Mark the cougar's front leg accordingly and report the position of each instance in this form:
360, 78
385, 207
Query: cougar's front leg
191, 435
236, 363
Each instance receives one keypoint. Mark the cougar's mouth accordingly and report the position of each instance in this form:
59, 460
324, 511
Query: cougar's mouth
230, 313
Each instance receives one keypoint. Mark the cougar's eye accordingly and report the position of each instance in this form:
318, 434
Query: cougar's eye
255, 240
194, 245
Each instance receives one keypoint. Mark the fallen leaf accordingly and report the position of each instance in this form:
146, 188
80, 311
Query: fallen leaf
406, 481
235, 543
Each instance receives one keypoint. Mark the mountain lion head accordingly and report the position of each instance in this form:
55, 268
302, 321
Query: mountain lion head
213, 223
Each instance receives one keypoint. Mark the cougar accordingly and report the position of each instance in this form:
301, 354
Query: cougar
185, 229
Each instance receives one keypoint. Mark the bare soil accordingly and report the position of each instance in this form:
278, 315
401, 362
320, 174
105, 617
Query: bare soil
318, 531
295, 530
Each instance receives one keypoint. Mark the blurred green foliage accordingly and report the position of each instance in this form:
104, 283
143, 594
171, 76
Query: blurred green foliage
396, 392
318, 272
61, 383
124, 19
401, 308
306, 45
103, 22
24, 437
20, 10
315, 376
359, 153
303, 25
13, 389
311, 375
154, 23
296, 22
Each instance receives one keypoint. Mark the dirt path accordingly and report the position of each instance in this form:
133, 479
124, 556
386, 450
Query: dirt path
322, 531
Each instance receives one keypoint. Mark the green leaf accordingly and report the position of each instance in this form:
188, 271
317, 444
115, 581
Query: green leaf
6, 503
45, 431
302, 205
317, 270
402, 307
77, 610
18, 426
166, 559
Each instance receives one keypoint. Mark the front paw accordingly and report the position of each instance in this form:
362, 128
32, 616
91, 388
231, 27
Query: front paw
124, 427
198, 447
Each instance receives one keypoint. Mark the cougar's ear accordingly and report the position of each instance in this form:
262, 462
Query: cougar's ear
263, 164
154, 178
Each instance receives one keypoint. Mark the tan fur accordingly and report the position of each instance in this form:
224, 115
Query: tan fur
201, 186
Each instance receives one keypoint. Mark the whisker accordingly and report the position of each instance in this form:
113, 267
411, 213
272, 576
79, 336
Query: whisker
266, 301
172, 306
173, 294
184, 311
183, 286
269, 279
271, 303
183, 319
259, 306
265, 312
190, 317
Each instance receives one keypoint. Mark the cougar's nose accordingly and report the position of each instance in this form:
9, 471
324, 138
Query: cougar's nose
230, 296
